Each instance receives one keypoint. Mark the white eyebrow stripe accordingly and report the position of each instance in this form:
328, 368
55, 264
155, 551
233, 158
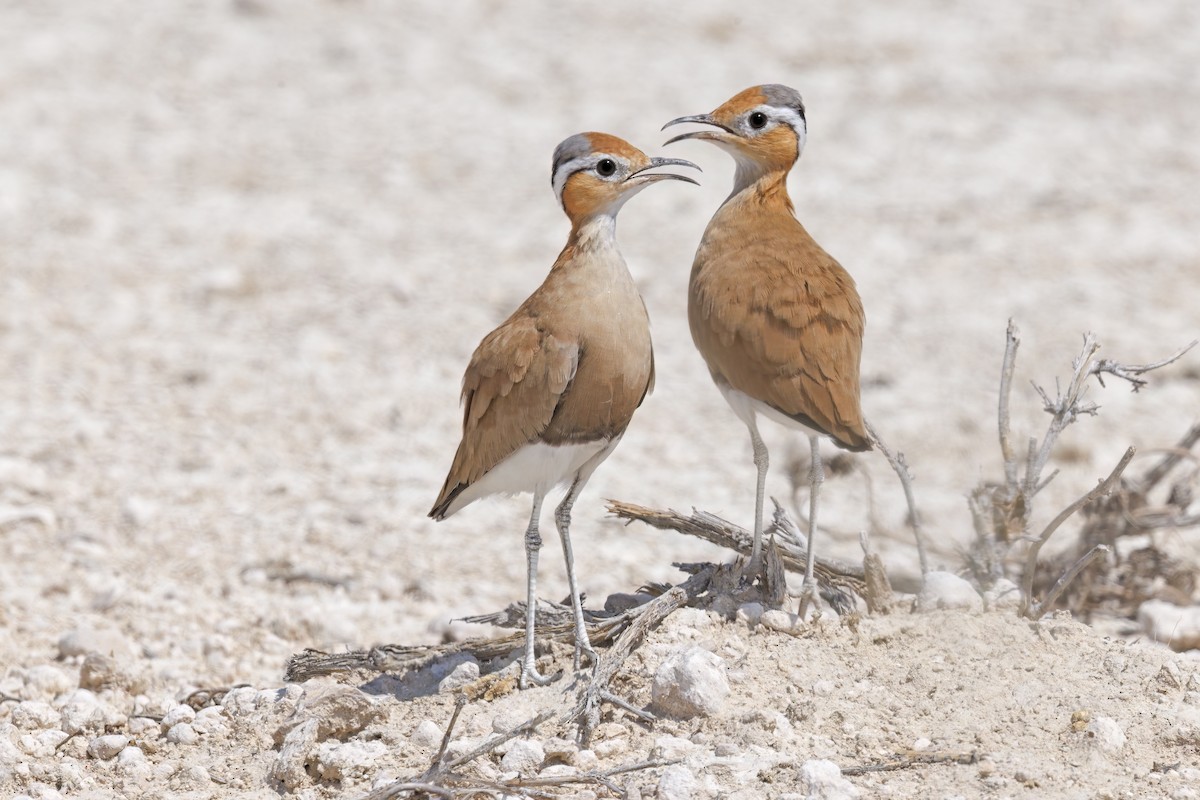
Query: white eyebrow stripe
788, 115
567, 170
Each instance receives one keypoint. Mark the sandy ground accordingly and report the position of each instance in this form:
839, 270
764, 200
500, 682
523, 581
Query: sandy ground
246, 249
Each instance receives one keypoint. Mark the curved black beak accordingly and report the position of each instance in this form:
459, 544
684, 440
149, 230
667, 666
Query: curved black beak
701, 119
642, 176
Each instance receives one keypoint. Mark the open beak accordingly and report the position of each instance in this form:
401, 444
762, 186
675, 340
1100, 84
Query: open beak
701, 119
642, 177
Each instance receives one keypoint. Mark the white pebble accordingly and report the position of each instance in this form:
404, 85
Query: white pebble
241, 701
587, 760
689, 683
822, 780
945, 590
428, 734
131, 758
465, 673
178, 714
106, 747
780, 621
183, 733
353, 760
750, 614
524, 756
1106, 735
31, 715
677, 783
209, 720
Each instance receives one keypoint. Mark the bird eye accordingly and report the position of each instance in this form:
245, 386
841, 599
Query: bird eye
606, 167
757, 120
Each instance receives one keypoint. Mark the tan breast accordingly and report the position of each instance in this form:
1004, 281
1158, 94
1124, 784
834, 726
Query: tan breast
777, 318
571, 365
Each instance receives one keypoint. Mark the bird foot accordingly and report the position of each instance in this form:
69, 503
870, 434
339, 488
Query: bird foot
530, 677
808, 596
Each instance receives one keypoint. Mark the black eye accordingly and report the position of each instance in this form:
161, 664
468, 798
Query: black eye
606, 167
757, 120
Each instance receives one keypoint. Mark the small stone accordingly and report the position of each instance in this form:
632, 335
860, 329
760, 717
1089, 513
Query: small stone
183, 733
209, 720
100, 671
340, 712
822, 780
750, 614
557, 771
690, 683
1106, 735
1004, 595
945, 590
131, 758
428, 734
672, 748
353, 760
524, 756
464, 674
587, 760
677, 783
31, 715
781, 621
106, 747
178, 714
195, 775
241, 701
923, 743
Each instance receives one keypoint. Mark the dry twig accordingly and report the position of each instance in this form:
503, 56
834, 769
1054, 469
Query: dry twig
900, 467
1035, 610
837, 578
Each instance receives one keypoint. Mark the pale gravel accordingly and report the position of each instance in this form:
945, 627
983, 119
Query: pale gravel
246, 249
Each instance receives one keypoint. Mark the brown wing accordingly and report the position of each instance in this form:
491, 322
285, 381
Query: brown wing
513, 384
784, 325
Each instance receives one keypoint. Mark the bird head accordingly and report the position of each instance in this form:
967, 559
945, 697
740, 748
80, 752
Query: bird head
763, 128
595, 173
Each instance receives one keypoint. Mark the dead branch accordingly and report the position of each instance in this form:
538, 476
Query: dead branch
900, 467
595, 690
1130, 372
836, 576
1012, 342
399, 658
1103, 489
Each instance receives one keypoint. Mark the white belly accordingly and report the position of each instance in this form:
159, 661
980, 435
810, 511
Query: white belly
536, 467
746, 408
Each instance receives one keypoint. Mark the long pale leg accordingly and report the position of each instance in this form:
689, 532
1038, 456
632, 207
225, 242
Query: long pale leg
533, 543
562, 517
816, 477
761, 461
